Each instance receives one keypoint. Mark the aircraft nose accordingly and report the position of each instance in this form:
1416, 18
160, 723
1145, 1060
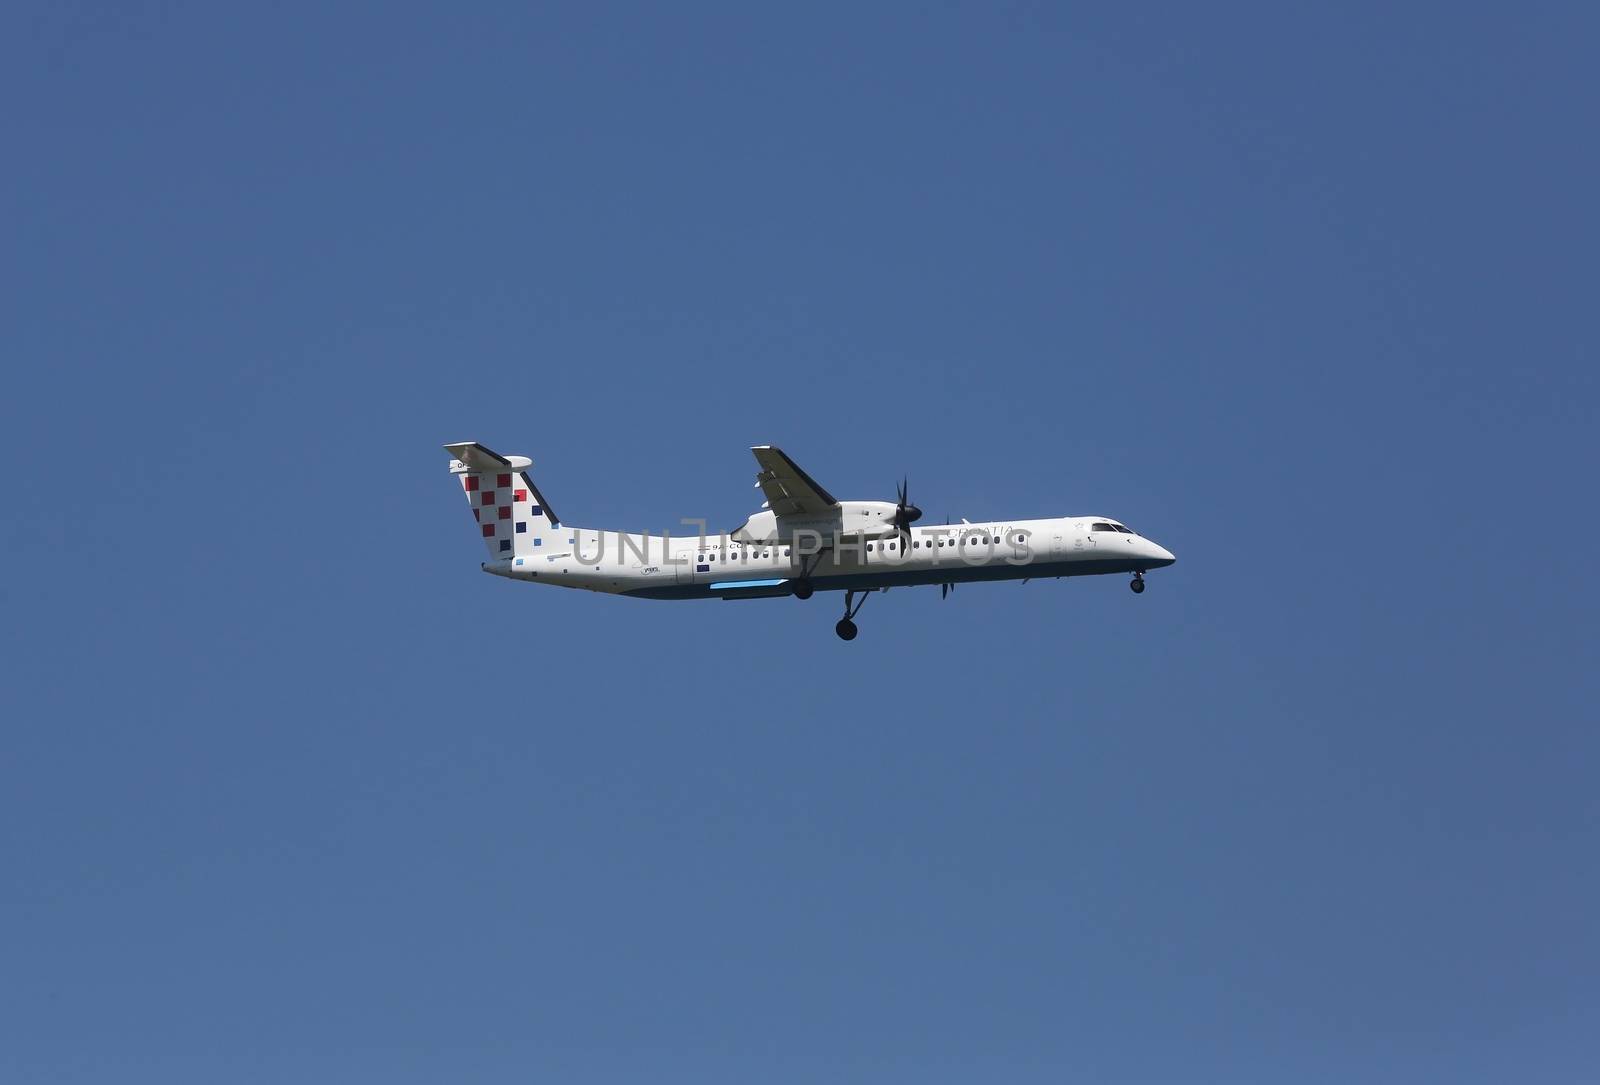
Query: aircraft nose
1161, 555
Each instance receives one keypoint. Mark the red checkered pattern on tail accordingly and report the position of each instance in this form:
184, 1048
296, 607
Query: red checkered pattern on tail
507, 511
500, 502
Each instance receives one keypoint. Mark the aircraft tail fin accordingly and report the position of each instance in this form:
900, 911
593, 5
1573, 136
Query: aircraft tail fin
510, 513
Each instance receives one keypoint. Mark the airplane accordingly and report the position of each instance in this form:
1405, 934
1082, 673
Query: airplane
802, 540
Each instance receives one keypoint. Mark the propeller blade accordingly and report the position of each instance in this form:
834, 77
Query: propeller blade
905, 513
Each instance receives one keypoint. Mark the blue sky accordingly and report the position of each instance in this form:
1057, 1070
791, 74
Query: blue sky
290, 790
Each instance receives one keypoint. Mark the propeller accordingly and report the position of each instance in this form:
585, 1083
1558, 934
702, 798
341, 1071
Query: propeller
905, 514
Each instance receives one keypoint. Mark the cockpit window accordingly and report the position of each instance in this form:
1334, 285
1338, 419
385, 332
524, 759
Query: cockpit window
1101, 527
1126, 530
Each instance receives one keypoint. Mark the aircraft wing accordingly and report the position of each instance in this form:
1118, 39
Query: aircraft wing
790, 491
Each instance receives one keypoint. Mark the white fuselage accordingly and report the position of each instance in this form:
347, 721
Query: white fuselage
665, 567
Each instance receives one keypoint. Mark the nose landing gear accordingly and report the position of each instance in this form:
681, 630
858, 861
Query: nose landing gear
845, 627
1136, 585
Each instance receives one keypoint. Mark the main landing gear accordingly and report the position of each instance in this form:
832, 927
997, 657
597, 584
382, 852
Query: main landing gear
847, 628
801, 585
1136, 585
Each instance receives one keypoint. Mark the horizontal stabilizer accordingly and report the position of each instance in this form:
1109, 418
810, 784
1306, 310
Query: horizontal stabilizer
475, 457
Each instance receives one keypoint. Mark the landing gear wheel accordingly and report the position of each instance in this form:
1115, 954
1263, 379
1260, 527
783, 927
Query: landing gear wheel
1136, 585
802, 589
847, 628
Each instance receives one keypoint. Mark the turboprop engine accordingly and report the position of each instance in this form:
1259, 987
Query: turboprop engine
848, 519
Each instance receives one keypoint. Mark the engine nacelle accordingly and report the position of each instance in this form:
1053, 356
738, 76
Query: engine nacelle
853, 519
